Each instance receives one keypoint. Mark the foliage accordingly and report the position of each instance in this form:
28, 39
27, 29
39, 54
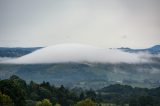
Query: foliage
124, 94
5, 100
86, 102
15, 88
91, 94
44, 102
16, 91
30, 103
57, 104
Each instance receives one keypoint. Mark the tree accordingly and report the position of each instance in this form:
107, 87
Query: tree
86, 102
57, 104
82, 96
62, 96
44, 102
91, 94
44, 93
146, 101
14, 90
5, 100
133, 101
46, 85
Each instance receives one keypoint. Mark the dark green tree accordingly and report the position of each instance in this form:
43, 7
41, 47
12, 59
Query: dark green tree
44, 102
13, 88
91, 94
5, 100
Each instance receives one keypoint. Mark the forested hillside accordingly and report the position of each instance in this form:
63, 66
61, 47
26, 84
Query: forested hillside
16, 92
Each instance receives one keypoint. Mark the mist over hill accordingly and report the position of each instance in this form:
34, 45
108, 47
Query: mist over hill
86, 75
79, 53
76, 65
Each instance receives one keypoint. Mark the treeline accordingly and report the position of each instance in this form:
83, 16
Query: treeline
16, 92
124, 94
33, 94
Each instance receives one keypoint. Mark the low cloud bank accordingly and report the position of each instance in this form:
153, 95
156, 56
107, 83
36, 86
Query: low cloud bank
81, 53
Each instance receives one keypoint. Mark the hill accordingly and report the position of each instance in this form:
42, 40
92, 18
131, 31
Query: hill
152, 50
86, 75
16, 52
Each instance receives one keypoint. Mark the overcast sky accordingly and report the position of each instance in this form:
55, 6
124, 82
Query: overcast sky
107, 23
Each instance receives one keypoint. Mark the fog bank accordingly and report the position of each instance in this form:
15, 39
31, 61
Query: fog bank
81, 53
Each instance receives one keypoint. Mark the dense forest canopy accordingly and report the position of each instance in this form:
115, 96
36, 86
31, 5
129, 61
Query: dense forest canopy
16, 92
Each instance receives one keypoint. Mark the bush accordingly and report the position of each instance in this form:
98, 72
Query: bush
86, 102
44, 102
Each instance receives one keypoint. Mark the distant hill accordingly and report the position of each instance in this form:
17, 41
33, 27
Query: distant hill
83, 74
86, 75
16, 52
153, 50
63, 53
20, 51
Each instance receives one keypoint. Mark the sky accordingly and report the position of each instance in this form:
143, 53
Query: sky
106, 23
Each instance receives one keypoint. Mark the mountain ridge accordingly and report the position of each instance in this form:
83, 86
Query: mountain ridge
79, 53
152, 50
16, 51
21, 51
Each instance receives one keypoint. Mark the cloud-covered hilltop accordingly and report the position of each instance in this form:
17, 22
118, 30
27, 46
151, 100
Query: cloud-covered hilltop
79, 53
74, 64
